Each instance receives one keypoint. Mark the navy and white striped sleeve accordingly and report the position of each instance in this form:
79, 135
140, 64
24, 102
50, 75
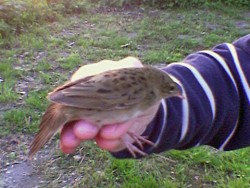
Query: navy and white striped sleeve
216, 108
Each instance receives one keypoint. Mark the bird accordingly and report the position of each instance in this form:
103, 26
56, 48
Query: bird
125, 92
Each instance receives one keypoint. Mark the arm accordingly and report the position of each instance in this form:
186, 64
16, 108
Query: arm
216, 110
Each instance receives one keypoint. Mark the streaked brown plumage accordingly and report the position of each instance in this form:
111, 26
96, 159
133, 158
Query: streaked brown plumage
125, 92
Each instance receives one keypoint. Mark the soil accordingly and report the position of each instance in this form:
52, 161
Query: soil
17, 175
15, 169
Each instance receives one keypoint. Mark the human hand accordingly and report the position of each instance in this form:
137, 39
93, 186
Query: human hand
109, 136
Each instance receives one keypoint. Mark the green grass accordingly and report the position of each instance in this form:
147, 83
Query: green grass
45, 55
22, 120
6, 91
72, 60
43, 65
9, 77
35, 100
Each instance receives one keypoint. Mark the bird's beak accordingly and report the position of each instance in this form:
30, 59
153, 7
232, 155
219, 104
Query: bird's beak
179, 95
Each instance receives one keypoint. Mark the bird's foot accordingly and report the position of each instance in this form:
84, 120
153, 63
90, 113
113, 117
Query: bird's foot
139, 140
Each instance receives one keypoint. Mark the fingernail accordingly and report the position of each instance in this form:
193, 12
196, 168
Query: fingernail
109, 128
84, 131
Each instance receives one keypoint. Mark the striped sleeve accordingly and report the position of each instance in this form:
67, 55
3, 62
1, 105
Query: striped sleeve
216, 108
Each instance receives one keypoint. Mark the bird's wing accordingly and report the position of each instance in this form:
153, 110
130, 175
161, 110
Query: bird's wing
91, 94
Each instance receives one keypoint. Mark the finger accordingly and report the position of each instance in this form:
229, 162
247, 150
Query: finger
67, 150
68, 140
84, 130
115, 131
110, 145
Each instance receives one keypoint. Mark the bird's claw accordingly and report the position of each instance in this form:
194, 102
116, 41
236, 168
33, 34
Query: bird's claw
138, 140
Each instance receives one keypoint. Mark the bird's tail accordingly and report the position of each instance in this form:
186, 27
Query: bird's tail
51, 123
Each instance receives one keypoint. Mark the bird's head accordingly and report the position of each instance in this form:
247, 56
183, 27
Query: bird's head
167, 86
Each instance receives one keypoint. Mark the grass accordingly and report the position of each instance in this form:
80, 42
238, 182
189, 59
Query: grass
45, 55
72, 60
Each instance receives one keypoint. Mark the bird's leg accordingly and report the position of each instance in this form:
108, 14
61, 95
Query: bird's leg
139, 140
133, 149
136, 139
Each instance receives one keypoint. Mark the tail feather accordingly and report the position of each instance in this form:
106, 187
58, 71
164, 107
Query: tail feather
51, 123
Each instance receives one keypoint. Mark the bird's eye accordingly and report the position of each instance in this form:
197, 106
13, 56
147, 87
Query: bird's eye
171, 88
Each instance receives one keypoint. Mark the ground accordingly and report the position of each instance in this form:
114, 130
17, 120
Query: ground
36, 61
